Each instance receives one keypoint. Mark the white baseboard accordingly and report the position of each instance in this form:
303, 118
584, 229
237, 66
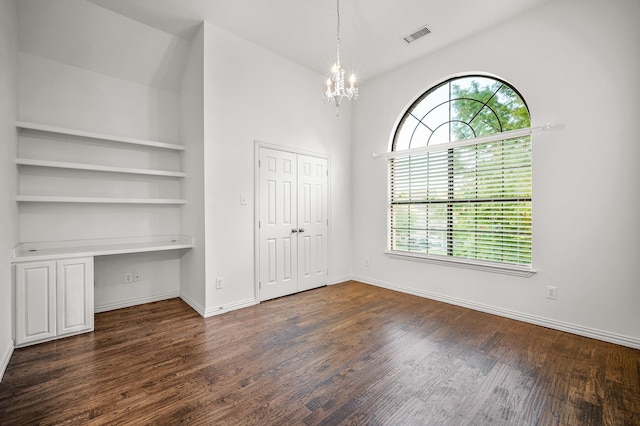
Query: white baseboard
194, 305
6, 357
217, 310
133, 302
520, 316
339, 280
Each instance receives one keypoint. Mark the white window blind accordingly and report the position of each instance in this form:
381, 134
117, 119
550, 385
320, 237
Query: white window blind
467, 202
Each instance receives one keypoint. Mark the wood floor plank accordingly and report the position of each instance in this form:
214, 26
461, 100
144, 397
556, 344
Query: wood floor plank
349, 354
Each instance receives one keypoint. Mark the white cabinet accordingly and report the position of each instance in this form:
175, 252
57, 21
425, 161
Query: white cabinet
53, 299
35, 302
74, 283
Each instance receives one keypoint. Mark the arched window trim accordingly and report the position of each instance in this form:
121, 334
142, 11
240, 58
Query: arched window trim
429, 91
478, 264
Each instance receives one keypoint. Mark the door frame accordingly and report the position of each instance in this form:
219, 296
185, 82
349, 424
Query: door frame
256, 208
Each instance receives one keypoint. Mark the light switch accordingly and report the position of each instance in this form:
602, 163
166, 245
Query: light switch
243, 199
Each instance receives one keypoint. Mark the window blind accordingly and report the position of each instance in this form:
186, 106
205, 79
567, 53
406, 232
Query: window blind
468, 202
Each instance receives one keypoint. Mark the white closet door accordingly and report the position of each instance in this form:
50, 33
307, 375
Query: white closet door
312, 222
278, 240
293, 228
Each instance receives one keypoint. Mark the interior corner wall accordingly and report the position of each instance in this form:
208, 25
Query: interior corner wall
8, 171
585, 175
192, 262
252, 94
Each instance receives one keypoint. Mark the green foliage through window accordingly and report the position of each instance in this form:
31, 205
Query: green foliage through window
473, 201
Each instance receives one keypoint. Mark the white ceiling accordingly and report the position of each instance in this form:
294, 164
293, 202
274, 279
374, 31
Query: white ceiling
304, 31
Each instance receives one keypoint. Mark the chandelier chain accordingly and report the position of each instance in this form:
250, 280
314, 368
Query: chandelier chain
338, 34
336, 88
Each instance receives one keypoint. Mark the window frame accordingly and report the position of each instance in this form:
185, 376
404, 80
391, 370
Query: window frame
449, 259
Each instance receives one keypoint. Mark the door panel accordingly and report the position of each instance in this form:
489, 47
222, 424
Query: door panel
75, 295
35, 301
278, 216
312, 190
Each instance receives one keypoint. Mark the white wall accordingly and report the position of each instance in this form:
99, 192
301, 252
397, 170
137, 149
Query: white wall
90, 37
577, 64
251, 95
159, 279
192, 264
63, 95
8, 142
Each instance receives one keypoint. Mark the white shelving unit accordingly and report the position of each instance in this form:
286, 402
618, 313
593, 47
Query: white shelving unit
99, 136
91, 167
61, 166
96, 168
86, 196
95, 200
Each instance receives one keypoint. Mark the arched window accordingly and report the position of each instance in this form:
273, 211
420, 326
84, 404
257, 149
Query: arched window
460, 181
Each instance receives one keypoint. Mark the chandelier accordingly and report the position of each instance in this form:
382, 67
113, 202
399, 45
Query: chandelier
336, 87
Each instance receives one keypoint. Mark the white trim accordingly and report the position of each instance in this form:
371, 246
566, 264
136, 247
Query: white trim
256, 218
6, 357
134, 302
340, 280
579, 330
230, 307
499, 268
291, 149
465, 142
193, 304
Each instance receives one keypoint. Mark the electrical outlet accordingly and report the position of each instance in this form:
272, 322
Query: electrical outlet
552, 292
137, 276
128, 277
366, 261
219, 282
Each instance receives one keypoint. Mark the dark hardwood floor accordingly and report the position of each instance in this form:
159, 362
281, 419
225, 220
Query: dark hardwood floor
346, 354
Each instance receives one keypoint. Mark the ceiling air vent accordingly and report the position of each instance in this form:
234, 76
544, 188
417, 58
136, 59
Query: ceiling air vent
417, 34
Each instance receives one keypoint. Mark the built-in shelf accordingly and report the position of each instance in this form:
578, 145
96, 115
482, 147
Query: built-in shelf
36, 251
100, 136
95, 200
97, 168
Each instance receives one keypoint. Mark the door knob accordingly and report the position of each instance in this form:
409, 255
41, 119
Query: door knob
300, 230
294, 230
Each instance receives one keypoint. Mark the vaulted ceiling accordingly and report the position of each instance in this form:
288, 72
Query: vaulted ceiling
304, 31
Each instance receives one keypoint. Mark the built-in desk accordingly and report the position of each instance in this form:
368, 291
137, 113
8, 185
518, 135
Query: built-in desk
54, 282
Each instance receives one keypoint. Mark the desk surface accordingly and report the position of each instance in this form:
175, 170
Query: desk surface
27, 252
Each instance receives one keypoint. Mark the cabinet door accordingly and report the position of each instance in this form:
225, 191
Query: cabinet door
35, 301
74, 295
